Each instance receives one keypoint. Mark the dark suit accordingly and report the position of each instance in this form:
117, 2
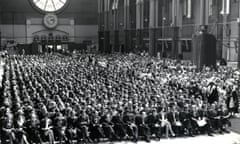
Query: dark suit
213, 96
46, 134
32, 129
108, 128
154, 124
118, 126
95, 129
174, 117
129, 122
82, 124
6, 133
59, 129
143, 129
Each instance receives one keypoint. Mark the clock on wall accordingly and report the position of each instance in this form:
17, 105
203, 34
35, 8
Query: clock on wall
50, 21
49, 5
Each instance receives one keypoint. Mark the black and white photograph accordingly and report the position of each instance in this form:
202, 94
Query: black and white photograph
119, 71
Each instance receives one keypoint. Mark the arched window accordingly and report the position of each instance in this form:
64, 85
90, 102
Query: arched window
49, 5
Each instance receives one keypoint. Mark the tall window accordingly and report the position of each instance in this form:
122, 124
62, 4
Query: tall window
139, 1
210, 7
115, 4
187, 8
225, 7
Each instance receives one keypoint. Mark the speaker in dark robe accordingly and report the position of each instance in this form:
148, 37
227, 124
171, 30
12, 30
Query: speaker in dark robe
204, 49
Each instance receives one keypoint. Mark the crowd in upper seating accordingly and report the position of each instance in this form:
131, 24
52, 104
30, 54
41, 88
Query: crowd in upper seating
88, 98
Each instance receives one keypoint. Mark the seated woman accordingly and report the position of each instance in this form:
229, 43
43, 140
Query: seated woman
166, 123
174, 118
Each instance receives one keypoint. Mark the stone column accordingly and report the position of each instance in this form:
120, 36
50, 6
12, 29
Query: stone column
139, 25
175, 28
100, 26
204, 12
106, 27
153, 23
116, 45
127, 33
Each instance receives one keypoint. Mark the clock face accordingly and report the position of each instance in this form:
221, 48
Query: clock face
50, 21
49, 5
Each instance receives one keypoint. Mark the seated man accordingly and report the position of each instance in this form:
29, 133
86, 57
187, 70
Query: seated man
46, 130
107, 126
143, 129
7, 130
82, 123
153, 122
60, 127
130, 126
19, 131
214, 119
32, 128
200, 120
95, 129
118, 125
71, 129
186, 120
225, 115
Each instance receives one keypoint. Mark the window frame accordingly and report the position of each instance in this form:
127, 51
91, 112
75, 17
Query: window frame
34, 5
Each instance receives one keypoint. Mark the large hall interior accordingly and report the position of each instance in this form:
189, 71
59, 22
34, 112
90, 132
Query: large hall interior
119, 71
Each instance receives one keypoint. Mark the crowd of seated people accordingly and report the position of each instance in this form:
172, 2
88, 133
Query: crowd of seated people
88, 98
